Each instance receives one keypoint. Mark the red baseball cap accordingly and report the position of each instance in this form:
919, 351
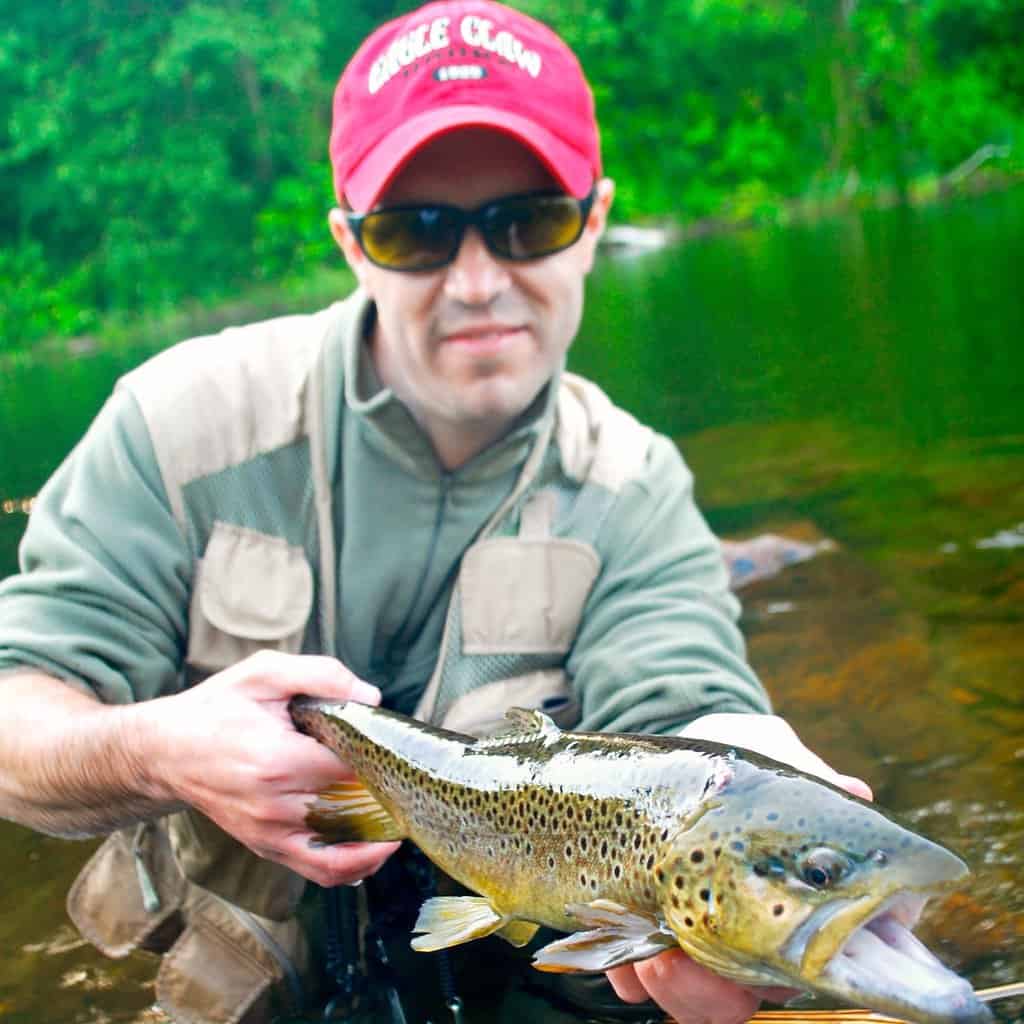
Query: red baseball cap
459, 64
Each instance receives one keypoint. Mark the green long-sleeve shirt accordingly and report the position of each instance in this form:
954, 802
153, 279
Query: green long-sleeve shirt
261, 488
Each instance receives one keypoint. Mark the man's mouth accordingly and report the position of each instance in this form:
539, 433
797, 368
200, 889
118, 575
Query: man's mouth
489, 335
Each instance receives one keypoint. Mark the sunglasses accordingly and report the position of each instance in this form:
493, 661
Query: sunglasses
425, 236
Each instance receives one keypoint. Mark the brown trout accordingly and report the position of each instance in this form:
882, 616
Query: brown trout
635, 844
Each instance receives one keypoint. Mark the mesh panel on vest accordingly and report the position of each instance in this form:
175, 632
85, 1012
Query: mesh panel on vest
580, 514
464, 672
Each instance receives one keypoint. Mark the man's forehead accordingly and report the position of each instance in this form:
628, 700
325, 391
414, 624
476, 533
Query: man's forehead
468, 166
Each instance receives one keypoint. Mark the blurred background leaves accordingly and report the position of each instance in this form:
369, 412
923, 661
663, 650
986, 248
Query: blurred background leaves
153, 151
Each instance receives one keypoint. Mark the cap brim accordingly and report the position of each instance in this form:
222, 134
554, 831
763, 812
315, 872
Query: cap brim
368, 182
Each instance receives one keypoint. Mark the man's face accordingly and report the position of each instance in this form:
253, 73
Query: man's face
469, 346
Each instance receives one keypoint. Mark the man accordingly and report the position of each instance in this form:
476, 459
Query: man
402, 495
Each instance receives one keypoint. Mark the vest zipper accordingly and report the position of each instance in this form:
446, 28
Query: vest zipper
446, 481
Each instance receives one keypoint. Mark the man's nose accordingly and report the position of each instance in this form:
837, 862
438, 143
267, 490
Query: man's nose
476, 276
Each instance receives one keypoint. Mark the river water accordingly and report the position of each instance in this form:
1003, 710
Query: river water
860, 380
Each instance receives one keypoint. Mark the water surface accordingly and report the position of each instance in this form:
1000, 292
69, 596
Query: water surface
861, 380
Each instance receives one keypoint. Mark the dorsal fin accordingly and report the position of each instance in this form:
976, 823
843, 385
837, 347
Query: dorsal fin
531, 720
527, 725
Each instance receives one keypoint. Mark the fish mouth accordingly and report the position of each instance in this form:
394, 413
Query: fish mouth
883, 965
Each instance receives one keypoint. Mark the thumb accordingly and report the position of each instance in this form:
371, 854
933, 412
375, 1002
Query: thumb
858, 787
288, 675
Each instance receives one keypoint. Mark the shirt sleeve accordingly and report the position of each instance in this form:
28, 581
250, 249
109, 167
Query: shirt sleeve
101, 599
659, 644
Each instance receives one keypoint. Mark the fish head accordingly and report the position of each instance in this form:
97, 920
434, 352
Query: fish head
783, 879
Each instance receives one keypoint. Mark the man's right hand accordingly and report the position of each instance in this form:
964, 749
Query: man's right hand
228, 748
72, 766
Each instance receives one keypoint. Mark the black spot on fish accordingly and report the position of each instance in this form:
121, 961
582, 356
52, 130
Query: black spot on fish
772, 816
697, 856
688, 921
737, 846
675, 901
678, 881
778, 909
650, 861
705, 895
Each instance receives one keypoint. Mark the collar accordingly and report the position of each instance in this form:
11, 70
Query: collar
390, 427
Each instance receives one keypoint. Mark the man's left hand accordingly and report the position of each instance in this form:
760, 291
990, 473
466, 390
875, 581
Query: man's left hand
686, 991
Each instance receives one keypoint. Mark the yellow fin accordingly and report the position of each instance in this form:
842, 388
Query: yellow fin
450, 920
518, 933
347, 812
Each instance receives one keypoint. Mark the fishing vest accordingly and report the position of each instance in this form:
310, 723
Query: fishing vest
223, 918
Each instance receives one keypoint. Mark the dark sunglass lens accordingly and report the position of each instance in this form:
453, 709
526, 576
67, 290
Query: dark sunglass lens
531, 226
410, 239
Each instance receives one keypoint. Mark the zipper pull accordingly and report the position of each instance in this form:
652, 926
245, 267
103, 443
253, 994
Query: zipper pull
150, 897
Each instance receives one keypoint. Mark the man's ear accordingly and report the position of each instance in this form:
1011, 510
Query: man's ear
342, 234
597, 219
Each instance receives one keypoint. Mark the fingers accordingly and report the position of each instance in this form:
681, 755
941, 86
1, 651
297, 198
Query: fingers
692, 994
328, 866
627, 985
277, 676
774, 737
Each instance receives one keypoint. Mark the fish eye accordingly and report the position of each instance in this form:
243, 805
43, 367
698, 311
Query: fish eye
822, 868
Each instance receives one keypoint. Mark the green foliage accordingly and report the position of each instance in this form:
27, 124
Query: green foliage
153, 153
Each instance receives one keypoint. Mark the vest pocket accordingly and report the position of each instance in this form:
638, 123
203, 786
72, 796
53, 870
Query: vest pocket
221, 964
253, 591
524, 595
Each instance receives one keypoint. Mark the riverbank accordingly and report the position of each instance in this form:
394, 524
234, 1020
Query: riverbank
758, 206
750, 208
154, 329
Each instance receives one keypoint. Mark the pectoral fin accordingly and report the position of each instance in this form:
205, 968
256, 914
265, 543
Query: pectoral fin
347, 812
615, 935
450, 920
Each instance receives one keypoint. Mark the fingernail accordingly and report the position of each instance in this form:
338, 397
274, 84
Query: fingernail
364, 693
